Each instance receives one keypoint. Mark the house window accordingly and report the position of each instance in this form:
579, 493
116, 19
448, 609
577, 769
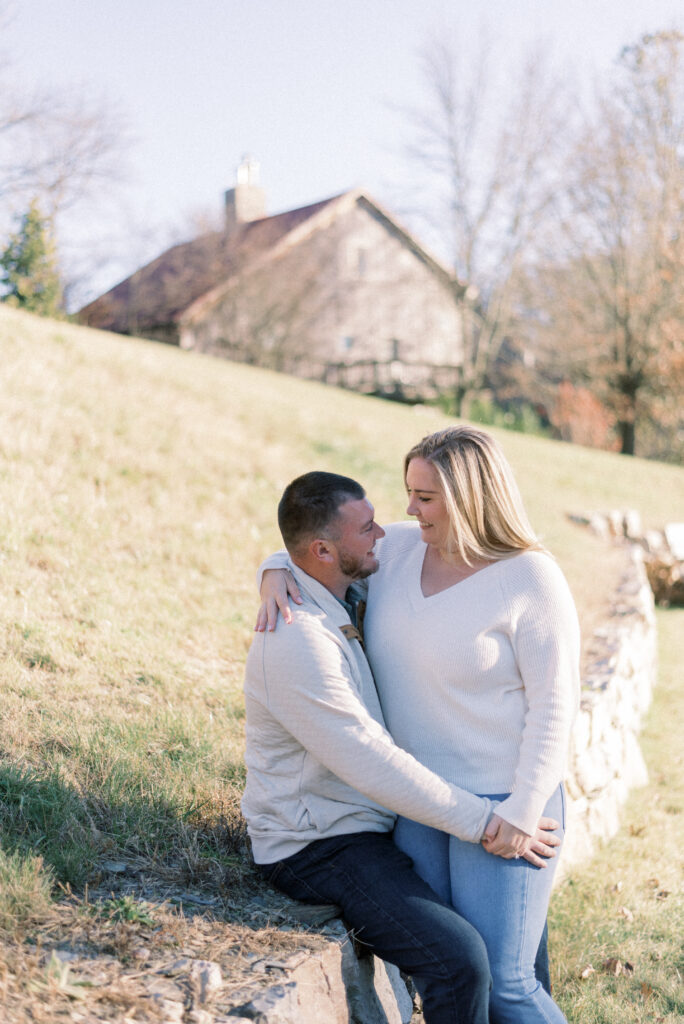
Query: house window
346, 343
357, 260
394, 349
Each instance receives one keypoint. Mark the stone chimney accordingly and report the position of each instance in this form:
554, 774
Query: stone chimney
247, 201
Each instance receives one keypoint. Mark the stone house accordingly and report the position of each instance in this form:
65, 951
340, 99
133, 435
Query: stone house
335, 291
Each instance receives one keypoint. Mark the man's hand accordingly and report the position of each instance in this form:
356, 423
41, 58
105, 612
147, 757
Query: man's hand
276, 585
505, 840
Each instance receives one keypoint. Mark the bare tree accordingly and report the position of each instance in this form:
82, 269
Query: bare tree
56, 146
489, 158
62, 149
612, 293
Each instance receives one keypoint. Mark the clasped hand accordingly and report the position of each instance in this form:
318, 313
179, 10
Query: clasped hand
505, 840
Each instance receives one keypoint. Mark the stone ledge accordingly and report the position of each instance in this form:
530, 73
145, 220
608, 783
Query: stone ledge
663, 549
331, 986
605, 759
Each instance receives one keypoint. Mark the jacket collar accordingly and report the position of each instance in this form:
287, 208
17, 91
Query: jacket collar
320, 595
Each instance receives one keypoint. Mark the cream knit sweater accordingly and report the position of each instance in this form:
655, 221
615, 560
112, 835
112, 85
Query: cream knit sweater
481, 681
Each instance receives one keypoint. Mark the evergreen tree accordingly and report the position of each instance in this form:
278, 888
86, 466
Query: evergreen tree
29, 274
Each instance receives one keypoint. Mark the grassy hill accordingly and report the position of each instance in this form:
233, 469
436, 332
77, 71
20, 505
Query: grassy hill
138, 488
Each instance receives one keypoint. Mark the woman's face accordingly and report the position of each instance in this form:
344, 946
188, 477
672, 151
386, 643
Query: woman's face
426, 502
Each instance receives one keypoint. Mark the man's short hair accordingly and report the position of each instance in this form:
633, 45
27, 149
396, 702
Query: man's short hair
310, 505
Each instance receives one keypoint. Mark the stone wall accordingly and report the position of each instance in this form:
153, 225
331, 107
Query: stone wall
605, 759
663, 549
334, 986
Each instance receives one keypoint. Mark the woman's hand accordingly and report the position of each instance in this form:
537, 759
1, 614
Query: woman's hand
276, 586
505, 840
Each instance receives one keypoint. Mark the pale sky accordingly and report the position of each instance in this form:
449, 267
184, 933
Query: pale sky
307, 87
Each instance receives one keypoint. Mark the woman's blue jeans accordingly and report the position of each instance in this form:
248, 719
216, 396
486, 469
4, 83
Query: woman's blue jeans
505, 900
398, 916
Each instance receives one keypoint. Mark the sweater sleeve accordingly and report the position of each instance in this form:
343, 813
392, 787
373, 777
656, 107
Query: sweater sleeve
545, 637
278, 560
281, 560
315, 701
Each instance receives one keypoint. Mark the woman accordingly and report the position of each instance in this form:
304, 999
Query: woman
472, 636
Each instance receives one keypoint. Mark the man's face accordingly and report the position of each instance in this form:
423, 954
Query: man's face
355, 535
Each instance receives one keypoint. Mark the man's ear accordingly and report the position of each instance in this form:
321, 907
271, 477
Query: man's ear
323, 551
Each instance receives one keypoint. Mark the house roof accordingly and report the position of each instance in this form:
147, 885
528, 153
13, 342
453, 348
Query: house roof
186, 278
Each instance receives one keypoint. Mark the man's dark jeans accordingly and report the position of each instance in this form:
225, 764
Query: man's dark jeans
398, 916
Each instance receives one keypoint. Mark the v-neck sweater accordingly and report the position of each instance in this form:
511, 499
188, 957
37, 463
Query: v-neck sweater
480, 682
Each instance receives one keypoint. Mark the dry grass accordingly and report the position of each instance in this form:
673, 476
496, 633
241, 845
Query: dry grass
103, 959
138, 487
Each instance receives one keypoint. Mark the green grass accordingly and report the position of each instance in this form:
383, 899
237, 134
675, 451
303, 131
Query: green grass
627, 904
138, 488
125, 908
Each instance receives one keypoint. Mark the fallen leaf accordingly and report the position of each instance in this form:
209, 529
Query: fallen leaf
587, 972
627, 967
626, 913
617, 887
662, 894
635, 830
646, 990
612, 966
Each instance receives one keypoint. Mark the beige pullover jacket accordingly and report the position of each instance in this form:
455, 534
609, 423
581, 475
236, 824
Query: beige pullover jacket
320, 761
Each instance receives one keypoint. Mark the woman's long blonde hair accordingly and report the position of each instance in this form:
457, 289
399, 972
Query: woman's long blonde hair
486, 513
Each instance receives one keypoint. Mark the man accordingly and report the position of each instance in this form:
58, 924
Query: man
325, 779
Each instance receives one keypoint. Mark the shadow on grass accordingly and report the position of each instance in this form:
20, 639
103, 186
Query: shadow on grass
45, 815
